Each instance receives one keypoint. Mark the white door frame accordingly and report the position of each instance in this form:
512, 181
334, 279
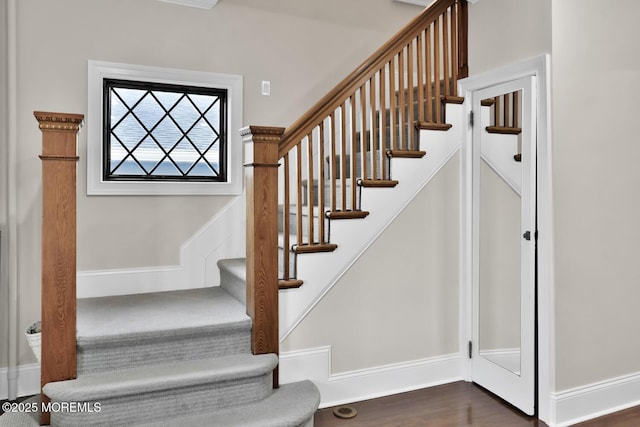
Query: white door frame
540, 68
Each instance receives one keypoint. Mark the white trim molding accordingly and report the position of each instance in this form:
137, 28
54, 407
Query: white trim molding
595, 400
422, 3
201, 4
99, 70
369, 383
28, 381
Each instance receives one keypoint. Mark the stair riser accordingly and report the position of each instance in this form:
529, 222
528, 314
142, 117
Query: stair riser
233, 284
143, 408
141, 353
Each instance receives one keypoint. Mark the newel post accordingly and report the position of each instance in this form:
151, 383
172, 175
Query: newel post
261, 178
59, 158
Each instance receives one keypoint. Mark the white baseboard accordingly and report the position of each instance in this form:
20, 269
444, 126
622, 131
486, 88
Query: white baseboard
224, 236
28, 381
369, 383
594, 400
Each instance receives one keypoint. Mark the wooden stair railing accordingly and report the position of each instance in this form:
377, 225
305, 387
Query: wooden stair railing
59, 158
341, 144
506, 113
505, 117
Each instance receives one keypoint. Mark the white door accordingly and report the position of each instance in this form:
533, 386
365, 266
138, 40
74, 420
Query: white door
504, 240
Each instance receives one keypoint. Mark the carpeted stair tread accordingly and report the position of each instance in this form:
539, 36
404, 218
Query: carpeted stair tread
159, 314
22, 419
292, 405
136, 381
154, 393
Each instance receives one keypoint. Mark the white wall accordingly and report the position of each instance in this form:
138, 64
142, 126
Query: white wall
596, 86
399, 301
304, 47
502, 32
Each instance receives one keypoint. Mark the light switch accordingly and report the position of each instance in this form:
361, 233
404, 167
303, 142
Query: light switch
266, 87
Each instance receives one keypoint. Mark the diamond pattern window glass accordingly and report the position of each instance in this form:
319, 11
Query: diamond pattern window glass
163, 132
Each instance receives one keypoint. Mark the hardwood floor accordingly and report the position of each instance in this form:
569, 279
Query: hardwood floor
455, 404
451, 405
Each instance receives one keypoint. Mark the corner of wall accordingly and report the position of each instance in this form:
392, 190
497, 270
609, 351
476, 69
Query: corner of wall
222, 237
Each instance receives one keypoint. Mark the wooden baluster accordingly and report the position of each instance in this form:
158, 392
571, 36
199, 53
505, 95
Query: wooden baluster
402, 106
310, 193
299, 199
516, 110
343, 156
436, 69
393, 112
261, 178
354, 150
321, 178
59, 159
410, 110
363, 130
454, 47
445, 53
421, 79
333, 162
462, 38
428, 61
384, 143
496, 111
505, 110
286, 220
374, 128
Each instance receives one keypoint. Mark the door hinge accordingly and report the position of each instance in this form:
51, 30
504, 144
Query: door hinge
470, 349
471, 118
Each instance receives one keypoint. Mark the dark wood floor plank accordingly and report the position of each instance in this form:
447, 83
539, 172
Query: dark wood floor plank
452, 405
456, 404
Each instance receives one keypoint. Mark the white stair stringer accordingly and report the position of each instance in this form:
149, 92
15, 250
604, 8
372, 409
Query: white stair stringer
321, 271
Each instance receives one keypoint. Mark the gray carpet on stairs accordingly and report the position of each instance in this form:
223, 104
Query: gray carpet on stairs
178, 358
137, 330
292, 405
11, 419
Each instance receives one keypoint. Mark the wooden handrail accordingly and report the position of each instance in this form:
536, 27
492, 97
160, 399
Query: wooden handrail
59, 158
301, 127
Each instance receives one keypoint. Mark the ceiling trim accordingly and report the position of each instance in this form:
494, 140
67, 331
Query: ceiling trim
202, 4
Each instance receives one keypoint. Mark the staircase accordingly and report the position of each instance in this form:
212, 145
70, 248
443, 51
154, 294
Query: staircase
178, 358
208, 356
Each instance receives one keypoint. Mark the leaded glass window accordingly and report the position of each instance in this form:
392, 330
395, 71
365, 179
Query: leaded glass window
163, 132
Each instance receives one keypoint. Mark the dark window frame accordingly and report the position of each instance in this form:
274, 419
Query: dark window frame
184, 90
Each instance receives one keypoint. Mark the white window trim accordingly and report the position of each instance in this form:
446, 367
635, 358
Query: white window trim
96, 185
